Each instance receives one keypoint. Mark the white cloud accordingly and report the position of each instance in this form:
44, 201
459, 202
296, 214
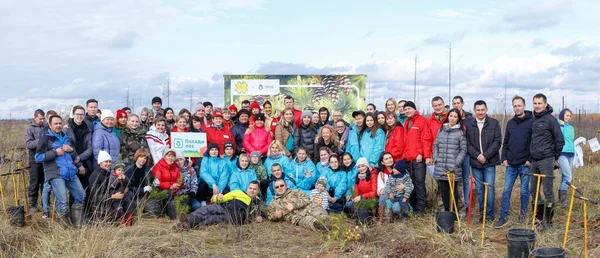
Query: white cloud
536, 15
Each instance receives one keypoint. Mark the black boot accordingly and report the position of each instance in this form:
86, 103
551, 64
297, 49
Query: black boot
562, 197
33, 204
548, 215
539, 214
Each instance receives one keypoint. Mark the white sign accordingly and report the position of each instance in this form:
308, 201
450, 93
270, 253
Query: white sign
255, 87
594, 145
191, 144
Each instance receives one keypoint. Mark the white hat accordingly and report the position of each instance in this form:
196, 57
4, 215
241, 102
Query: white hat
179, 155
362, 161
171, 150
107, 113
103, 156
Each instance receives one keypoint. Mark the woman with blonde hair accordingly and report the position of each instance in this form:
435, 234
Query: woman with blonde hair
276, 154
327, 137
284, 131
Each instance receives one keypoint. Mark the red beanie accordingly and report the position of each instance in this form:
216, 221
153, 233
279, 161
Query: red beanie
233, 107
254, 105
121, 114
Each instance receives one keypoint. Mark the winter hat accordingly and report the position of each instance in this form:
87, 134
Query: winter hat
358, 112
103, 156
410, 104
120, 165
106, 114
401, 165
233, 107
171, 150
306, 113
322, 181
254, 105
121, 114
207, 103
243, 111
199, 106
255, 154
228, 144
156, 99
179, 155
362, 161
561, 115
213, 146
259, 117
217, 114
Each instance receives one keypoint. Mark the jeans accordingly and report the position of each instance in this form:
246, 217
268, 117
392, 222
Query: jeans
466, 173
46, 197
397, 206
512, 172
546, 167
59, 186
382, 199
194, 204
418, 198
565, 162
486, 175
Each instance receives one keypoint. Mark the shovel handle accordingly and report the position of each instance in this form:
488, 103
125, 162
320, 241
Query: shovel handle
538, 175
578, 196
575, 188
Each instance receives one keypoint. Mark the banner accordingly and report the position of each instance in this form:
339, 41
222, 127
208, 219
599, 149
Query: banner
345, 93
191, 144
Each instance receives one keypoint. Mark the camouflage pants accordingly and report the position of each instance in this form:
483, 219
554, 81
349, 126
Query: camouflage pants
315, 213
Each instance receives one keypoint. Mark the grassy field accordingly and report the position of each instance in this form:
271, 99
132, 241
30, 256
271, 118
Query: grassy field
157, 238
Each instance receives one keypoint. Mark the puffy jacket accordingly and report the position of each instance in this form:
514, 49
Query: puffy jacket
351, 173
305, 136
491, 139
283, 160
569, 136
449, 151
435, 125
291, 184
32, 137
371, 148
85, 156
352, 144
417, 140
215, 171
91, 121
166, 174
395, 142
336, 180
258, 140
367, 189
546, 137
321, 143
517, 139
55, 166
240, 179
158, 144
238, 131
131, 141
282, 134
299, 171
105, 139
219, 136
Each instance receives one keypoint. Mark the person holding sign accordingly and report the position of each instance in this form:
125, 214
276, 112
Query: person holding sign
218, 134
214, 174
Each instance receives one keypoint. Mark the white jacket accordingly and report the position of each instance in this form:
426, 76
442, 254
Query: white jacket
578, 160
382, 178
158, 144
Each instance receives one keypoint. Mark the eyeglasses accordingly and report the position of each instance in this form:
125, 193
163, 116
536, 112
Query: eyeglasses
279, 186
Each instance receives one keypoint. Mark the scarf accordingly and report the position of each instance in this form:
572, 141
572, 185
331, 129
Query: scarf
275, 155
362, 176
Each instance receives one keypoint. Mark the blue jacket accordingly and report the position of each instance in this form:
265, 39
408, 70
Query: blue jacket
240, 179
352, 144
299, 174
106, 139
321, 168
371, 148
232, 163
517, 139
336, 180
55, 166
569, 135
350, 178
271, 189
283, 160
214, 171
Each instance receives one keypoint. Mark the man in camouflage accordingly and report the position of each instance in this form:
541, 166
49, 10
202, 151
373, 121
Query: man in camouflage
295, 207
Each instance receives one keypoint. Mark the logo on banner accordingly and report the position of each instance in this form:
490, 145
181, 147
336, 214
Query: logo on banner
256, 87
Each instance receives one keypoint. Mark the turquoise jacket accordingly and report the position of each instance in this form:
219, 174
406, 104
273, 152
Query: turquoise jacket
283, 160
321, 168
336, 180
299, 174
240, 179
271, 192
350, 176
215, 171
352, 145
569, 134
232, 163
371, 148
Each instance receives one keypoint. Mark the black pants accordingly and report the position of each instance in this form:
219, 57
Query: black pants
36, 179
546, 167
418, 198
205, 191
264, 186
444, 188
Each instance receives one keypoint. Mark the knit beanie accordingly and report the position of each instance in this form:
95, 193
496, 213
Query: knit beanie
255, 154
103, 156
106, 114
121, 114
254, 105
228, 144
156, 99
306, 113
322, 181
362, 161
207, 103
199, 106
561, 115
233, 107
410, 104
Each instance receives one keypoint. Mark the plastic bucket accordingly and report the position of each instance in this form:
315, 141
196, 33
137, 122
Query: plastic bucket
16, 216
520, 242
445, 222
153, 208
548, 252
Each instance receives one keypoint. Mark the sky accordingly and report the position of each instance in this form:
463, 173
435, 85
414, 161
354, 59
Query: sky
59, 53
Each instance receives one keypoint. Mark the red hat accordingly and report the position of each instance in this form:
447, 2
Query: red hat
233, 107
217, 114
121, 114
254, 105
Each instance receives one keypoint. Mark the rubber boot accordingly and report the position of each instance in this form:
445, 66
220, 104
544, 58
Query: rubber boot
77, 215
380, 214
562, 197
128, 220
548, 215
539, 215
171, 210
33, 204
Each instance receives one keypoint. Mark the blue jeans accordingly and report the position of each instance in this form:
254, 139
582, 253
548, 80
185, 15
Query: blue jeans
59, 186
466, 172
512, 172
195, 204
349, 205
46, 197
486, 175
566, 167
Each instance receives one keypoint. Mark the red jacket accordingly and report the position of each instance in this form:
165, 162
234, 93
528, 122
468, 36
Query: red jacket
417, 139
367, 189
434, 127
395, 142
166, 174
219, 136
297, 116
228, 124
176, 130
257, 140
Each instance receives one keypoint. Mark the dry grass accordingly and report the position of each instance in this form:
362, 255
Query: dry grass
156, 238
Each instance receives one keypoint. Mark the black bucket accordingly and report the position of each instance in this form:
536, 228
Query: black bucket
548, 252
520, 242
445, 222
153, 208
77, 215
16, 216
363, 216
171, 210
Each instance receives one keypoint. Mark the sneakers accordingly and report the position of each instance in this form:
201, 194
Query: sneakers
203, 203
500, 223
46, 215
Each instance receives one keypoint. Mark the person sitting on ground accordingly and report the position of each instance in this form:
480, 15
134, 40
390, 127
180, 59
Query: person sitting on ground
304, 171
124, 208
398, 188
139, 174
214, 174
337, 184
166, 173
109, 198
365, 183
278, 173
190, 180
319, 195
295, 207
257, 166
241, 176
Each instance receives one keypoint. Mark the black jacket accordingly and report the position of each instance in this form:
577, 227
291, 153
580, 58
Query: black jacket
517, 139
491, 138
305, 136
238, 131
138, 178
546, 137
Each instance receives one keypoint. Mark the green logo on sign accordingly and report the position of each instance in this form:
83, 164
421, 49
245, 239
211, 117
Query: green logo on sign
178, 143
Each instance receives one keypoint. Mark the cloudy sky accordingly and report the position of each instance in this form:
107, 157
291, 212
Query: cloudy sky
57, 53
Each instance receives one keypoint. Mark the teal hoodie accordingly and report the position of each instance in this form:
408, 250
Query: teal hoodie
215, 171
337, 180
283, 160
569, 134
299, 174
350, 178
240, 179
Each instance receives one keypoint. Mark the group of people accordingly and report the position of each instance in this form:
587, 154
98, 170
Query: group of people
296, 166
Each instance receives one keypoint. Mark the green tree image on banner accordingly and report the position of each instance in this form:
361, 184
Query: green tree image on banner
345, 93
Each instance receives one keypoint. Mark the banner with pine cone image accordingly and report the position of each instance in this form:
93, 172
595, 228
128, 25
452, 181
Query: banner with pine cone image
345, 93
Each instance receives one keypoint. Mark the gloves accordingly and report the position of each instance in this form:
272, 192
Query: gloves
147, 188
156, 182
